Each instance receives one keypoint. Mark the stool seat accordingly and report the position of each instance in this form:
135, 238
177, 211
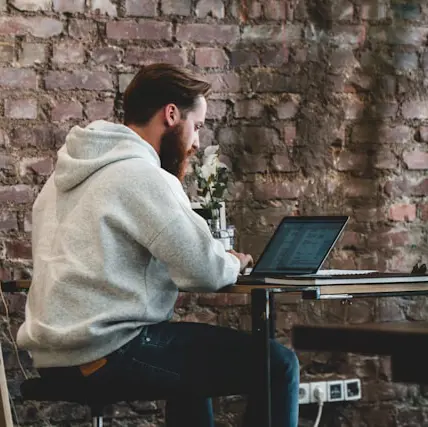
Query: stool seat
41, 389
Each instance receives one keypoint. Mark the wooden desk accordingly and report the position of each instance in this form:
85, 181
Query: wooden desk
404, 342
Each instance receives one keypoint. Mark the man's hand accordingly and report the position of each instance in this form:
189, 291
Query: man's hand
245, 260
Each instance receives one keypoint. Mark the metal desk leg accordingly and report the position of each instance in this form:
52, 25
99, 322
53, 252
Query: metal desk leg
261, 329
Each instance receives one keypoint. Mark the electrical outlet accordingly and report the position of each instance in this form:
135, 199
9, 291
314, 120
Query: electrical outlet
352, 389
303, 393
322, 386
335, 391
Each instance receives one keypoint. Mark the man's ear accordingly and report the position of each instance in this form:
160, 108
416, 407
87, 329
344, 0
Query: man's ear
172, 115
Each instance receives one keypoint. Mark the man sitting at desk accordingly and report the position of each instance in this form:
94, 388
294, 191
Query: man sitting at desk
115, 239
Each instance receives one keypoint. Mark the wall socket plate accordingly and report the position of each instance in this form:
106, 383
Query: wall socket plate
304, 393
322, 386
335, 391
352, 389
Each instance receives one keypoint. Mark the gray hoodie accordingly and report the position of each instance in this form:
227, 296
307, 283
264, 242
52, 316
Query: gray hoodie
114, 239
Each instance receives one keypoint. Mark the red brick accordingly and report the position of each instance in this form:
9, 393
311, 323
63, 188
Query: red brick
104, 7
68, 52
82, 29
39, 137
141, 8
7, 163
268, 189
225, 82
16, 193
109, 55
348, 34
415, 110
424, 212
207, 57
275, 57
373, 11
240, 58
214, 8
67, 110
381, 133
266, 33
32, 54
290, 134
423, 133
4, 139
416, 159
265, 81
81, 79
389, 239
348, 161
283, 163
385, 159
124, 80
15, 78
18, 250
356, 187
34, 26
96, 110
276, 10
176, 7
248, 108
287, 110
75, 6
136, 55
216, 109
31, 5
246, 10
20, 108
353, 107
206, 33
402, 212
8, 221
28, 219
40, 166
6, 52
223, 299
253, 163
144, 30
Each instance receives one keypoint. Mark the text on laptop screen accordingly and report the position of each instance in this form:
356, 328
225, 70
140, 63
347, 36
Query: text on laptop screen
299, 245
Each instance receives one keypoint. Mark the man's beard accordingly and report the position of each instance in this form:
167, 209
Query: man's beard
173, 153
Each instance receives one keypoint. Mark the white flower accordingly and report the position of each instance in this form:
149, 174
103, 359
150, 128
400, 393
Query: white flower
208, 169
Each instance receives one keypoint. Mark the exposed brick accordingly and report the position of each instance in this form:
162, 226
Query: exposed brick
268, 190
141, 8
39, 166
423, 133
420, 188
124, 80
246, 10
290, 134
275, 57
356, 187
6, 52
227, 82
243, 58
287, 110
18, 250
254, 163
276, 10
8, 221
248, 108
39, 137
353, 107
272, 33
136, 55
415, 109
264, 81
381, 133
283, 163
220, 300
406, 61
32, 54
81, 29
348, 161
28, 222
4, 139
176, 7
35, 26
383, 110
344, 35
31, 5
145, 30
109, 55
206, 33
342, 59
16, 193
416, 159
207, 57
402, 212
385, 159
104, 7
342, 10
84, 79
406, 10
68, 52
214, 8
96, 110
216, 109
423, 209
373, 11
75, 6
415, 36
7, 163
15, 78
20, 108
67, 110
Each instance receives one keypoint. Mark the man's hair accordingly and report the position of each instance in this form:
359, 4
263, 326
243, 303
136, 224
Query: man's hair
157, 85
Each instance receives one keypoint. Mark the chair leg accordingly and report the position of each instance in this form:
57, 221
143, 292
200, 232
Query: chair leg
97, 421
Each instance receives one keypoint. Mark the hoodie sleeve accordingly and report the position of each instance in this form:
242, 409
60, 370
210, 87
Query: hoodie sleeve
159, 217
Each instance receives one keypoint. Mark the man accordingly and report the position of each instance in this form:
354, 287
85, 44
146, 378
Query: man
115, 238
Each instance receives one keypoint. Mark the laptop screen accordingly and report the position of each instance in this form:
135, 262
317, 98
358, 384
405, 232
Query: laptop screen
300, 245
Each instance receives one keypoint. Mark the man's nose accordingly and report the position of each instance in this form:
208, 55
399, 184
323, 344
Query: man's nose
196, 145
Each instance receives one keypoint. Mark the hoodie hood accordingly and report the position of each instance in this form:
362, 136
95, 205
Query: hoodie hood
87, 150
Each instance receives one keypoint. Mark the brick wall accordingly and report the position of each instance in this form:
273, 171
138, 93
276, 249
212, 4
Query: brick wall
321, 108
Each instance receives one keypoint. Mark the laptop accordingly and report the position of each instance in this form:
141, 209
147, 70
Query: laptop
299, 246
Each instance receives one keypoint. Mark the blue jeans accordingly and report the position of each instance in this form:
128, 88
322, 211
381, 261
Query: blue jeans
194, 361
